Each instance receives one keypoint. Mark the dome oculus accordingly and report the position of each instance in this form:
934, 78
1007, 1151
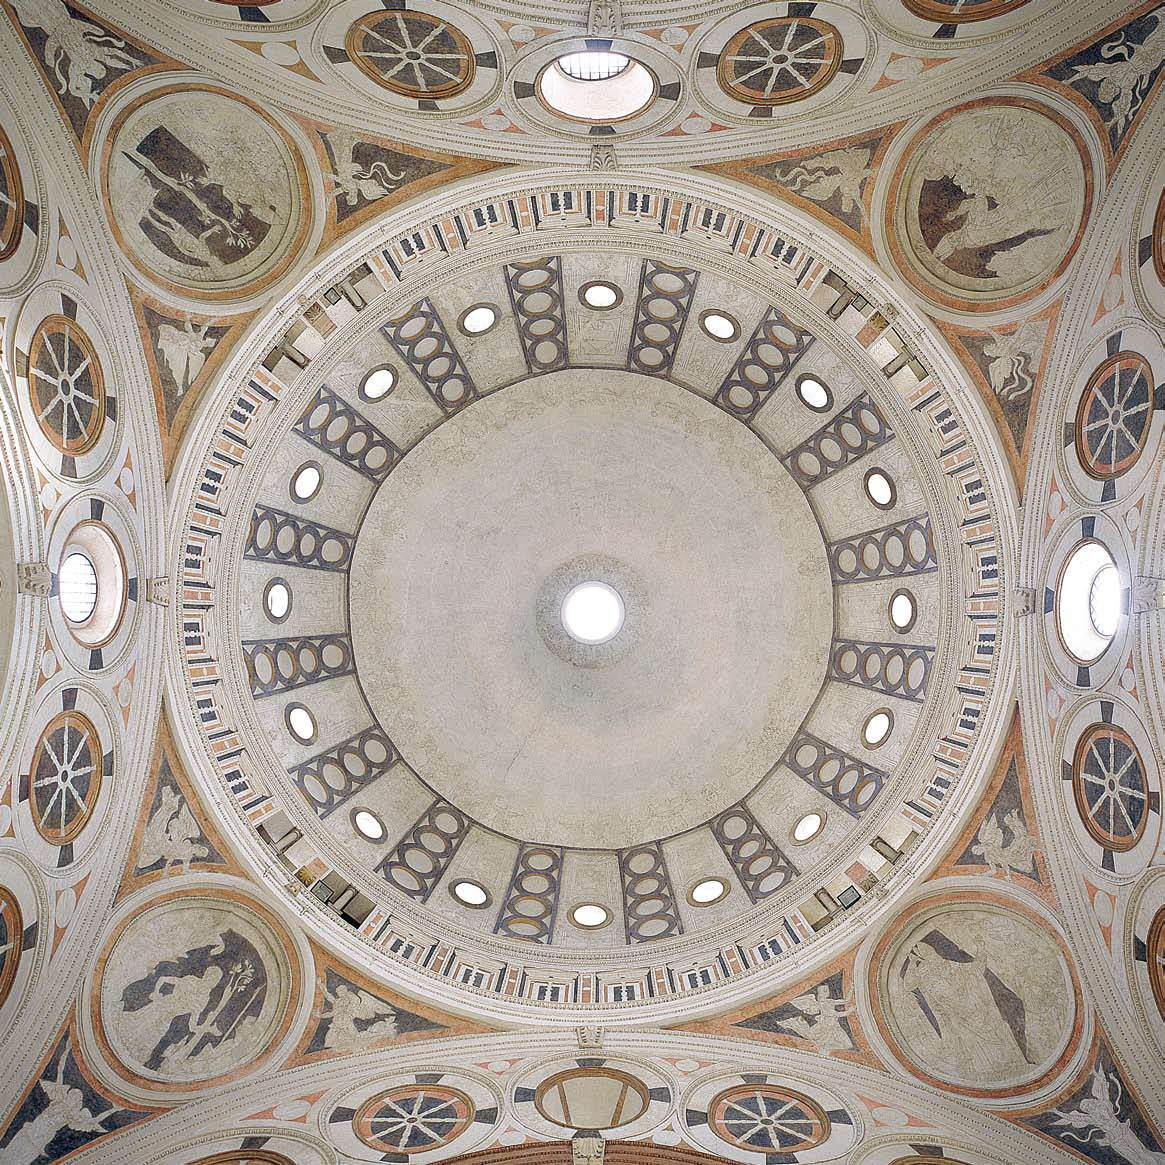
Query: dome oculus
78, 587
1088, 601
592, 613
598, 87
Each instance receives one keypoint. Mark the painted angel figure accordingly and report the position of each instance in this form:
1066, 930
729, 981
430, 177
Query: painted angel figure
1098, 1114
1001, 856
343, 1007
1122, 77
1013, 360
172, 835
66, 1109
185, 350
81, 54
348, 180
838, 173
820, 1020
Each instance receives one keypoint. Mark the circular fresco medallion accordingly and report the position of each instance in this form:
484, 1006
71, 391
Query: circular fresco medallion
205, 193
66, 385
1114, 416
975, 995
774, 62
11, 199
413, 1118
960, 11
991, 203
767, 1118
192, 988
1109, 784
65, 777
11, 940
411, 53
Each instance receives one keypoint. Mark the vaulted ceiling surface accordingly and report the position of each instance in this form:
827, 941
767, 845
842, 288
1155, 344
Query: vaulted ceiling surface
337, 355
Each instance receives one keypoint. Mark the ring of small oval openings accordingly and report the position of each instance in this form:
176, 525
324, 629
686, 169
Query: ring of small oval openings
1088, 601
91, 584
814, 394
377, 383
880, 488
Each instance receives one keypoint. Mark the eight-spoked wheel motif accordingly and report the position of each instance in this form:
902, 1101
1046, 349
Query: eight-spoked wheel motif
1108, 780
413, 1118
780, 60
769, 1119
412, 53
65, 777
66, 385
1113, 416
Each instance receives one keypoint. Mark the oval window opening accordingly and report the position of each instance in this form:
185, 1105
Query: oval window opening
277, 600
378, 384
470, 893
601, 296
808, 827
77, 583
709, 890
301, 723
596, 87
369, 825
902, 610
719, 326
876, 729
814, 394
478, 320
1088, 601
306, 482
590, 916
880, 489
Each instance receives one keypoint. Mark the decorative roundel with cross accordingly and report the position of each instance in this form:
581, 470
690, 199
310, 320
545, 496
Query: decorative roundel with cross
1115, 415
65, 382
762, 1117
65, 776
1110, 786
1145, 952
765, 62
1147, 259
621, 1097
19, 929
1077, 594
427, 58
416, 1117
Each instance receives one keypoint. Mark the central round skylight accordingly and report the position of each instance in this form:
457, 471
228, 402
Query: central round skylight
592, 612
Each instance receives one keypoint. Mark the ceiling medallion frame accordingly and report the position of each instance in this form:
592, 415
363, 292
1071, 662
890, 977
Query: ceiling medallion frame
773, 267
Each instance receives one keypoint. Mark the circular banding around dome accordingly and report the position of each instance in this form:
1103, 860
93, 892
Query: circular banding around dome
727, 622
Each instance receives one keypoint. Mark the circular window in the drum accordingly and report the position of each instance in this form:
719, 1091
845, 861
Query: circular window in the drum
378, 383
592, 1098
64, 777
777, 61
67, 385
903, 610
880, 489
814, 394
768, 1119
1114, 415
599, 295
300, 722
91, 584
412, 53
413, 1118
277, 600
1110, 787
11, 941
